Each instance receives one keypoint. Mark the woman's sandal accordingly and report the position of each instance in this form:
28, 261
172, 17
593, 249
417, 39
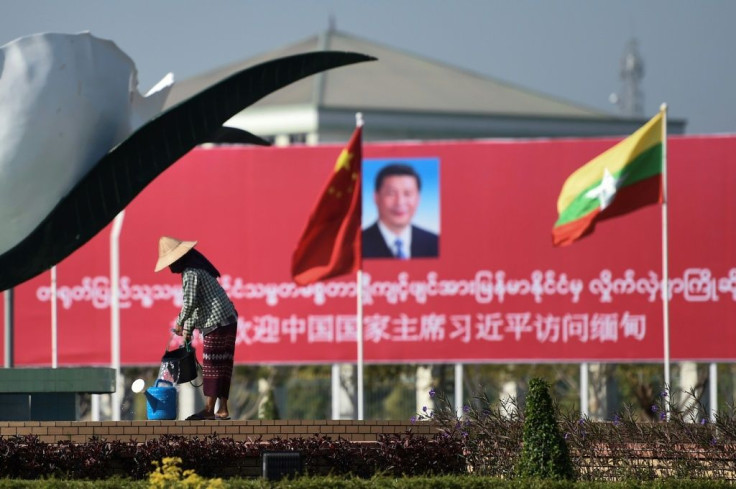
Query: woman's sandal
222, 418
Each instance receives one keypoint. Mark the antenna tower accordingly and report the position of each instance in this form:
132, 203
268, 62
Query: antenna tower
631, 99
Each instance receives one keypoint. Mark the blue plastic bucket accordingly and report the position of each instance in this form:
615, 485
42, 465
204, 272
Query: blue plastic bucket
161, 401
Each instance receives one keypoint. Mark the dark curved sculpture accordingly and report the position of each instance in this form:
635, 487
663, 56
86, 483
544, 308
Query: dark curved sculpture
126, 169
233, 135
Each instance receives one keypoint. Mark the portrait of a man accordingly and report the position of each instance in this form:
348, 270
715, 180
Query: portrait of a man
397, 191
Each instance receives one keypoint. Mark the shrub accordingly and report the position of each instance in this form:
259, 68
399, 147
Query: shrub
544, 454
168, 474
26, 457
638, 448
672, 444
489, 434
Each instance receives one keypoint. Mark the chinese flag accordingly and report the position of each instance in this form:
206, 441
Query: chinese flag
330, 243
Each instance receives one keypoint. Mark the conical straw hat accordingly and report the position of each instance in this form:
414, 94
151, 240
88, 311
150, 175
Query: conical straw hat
170, 250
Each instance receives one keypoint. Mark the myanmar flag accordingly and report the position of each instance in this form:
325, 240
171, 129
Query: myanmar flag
620, 180
330, 243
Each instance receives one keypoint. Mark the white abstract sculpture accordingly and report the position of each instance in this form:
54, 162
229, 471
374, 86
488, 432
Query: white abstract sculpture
78, 141
65, 101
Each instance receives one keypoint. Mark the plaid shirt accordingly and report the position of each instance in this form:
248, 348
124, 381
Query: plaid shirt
205, 306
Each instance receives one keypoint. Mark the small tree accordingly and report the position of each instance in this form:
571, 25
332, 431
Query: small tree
544, 454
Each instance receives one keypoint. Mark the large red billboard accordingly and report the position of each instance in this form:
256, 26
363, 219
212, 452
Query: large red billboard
497, 291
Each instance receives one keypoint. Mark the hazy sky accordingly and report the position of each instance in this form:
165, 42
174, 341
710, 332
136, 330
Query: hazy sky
569, 49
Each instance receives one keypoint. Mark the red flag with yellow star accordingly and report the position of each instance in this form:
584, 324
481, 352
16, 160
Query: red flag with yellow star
330, 243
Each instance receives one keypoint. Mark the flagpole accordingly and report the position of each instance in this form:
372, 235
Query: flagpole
117, 395
359, 303
54, 321
665, 267
359, 334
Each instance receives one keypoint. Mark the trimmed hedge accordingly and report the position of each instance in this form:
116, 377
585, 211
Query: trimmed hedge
25, 457
440, 482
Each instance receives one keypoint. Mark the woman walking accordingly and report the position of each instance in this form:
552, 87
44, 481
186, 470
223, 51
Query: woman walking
205, 307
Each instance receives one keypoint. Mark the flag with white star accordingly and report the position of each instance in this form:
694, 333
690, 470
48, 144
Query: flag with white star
620, 180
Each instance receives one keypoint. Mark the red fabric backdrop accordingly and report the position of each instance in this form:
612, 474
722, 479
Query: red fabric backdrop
499, 292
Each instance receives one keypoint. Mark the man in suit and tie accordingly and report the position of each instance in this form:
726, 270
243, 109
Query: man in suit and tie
396, 196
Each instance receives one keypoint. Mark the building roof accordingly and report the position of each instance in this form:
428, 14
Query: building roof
405, 96
398, 81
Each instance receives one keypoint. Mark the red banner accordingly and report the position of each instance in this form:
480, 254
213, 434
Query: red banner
498, 291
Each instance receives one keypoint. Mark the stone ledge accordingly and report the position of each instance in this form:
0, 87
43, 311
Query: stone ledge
141, 431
